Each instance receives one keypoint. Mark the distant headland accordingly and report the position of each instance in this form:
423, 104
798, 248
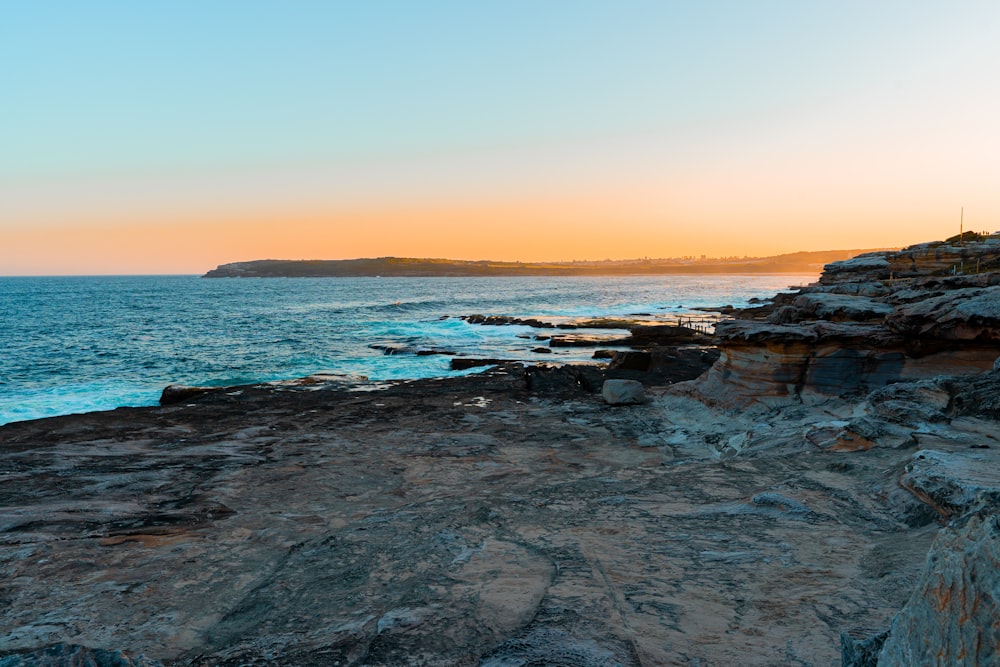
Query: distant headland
797, 262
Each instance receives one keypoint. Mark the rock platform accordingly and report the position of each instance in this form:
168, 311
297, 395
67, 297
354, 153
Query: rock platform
780, 509
462, 521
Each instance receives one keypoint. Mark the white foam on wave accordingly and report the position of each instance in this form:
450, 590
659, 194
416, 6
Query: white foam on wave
85, 344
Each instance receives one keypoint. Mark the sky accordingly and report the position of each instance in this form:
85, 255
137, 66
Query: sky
170, 137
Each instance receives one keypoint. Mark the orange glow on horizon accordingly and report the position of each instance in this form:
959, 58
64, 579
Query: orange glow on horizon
527, 231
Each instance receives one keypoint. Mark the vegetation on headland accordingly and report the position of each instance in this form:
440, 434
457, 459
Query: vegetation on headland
797, 262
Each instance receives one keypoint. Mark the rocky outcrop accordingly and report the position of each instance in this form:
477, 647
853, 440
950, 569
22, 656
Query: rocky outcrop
455, 521
971, 315
924, 259
953, 617
871, 321
661, 365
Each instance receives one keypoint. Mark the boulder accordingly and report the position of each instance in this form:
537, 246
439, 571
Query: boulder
953, 617
911, 403
178, 393
662, 365
622, 392
564, 379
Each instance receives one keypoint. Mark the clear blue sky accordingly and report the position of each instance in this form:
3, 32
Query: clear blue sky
174, 101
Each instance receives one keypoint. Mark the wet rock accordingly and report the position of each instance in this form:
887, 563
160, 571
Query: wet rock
622, 392
504, 320
423, 352
586, 340
178, 393
465, 363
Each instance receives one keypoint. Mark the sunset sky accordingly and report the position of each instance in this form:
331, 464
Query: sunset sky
169, 137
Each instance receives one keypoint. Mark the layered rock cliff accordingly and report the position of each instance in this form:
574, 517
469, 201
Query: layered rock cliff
869, 321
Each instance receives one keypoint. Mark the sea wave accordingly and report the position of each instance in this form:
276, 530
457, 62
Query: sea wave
95, 343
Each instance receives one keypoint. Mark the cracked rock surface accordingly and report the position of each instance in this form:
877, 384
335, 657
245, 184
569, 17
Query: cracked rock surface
468, 521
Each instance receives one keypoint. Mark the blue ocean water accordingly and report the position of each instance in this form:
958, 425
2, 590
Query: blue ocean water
76, 344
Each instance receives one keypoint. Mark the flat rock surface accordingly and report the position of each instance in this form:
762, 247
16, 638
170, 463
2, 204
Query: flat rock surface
449, 522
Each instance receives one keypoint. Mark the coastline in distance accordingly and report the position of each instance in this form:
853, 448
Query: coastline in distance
798, 262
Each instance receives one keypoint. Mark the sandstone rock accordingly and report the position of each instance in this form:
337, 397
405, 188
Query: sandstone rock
622, 392
665, 334
840, 307
963, 315
926, 259
768, 363
954, 483
911, 403
872, 264
869, 289
974, 395
786, 359
953, 617
471, 519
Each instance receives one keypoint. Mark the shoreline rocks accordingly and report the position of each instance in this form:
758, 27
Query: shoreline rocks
869, 322
788, 494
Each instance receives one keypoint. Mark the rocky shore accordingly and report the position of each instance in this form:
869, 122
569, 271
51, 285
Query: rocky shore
816, 485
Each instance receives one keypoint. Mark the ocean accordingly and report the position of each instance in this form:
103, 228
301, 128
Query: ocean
77, 344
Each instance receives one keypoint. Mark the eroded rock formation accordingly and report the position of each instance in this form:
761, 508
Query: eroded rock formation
514, 518
870, 321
